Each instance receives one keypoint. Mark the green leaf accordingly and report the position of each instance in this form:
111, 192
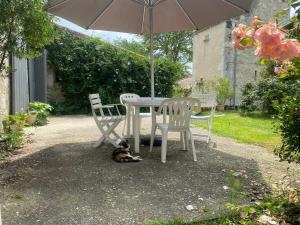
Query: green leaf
263, 61
246, 41
283, 75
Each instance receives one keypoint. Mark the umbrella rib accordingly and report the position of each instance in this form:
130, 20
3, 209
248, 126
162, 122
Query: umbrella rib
57, 4
138, 2
158, 2
235, 5
100, 14
185, 13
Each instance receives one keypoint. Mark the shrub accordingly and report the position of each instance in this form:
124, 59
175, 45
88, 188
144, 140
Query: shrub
289, 117
13, 135
262, 95
88, 65
42, 110
249, 101
224, 91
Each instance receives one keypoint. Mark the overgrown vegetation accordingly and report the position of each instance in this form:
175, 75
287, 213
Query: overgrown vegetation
289, 116
13, 136
88, 65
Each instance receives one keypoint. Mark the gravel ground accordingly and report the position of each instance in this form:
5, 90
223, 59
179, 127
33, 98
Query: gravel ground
59, 178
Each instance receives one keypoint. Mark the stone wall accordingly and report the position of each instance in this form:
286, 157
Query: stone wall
4, 99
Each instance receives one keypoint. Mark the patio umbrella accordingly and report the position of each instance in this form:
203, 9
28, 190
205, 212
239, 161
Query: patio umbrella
147, 16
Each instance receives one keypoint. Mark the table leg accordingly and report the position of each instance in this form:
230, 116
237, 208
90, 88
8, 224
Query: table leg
136, 129
128, 121
153, 116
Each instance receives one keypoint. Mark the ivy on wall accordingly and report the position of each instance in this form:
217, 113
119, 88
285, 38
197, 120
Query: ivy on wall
85, 65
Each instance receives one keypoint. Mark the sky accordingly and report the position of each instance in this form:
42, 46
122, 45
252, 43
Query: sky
105, 35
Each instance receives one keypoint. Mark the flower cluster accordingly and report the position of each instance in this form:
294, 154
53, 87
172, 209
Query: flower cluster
270, 43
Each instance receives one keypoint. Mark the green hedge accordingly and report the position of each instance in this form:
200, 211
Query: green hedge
88, 65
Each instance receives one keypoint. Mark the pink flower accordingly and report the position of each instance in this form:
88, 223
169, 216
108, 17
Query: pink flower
238, 34
280, 70
289, 49
256, 22
269, 35
266, 52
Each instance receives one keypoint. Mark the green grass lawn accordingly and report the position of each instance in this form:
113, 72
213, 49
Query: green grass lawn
252, 130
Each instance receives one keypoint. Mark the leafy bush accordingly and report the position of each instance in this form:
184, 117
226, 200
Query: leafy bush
262, 95
224, 90
13, 135
249, 100
88, 65
289, 117
181, 92
42, 110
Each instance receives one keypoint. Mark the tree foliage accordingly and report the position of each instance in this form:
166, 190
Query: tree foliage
176, 46
25, 28
88, 65
133, 46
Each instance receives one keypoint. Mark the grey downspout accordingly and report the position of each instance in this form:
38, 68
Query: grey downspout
234, 76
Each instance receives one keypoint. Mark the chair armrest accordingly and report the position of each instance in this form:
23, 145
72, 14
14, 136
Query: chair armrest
116, 106
113, 105
106, 106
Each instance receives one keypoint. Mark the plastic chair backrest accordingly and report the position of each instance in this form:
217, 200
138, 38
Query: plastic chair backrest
177, 111
128, 96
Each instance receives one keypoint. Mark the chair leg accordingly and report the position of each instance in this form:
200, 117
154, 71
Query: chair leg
193, 145
164, 146
153, 131
209, 123
99, 142
107, 132
182, 139
187, 140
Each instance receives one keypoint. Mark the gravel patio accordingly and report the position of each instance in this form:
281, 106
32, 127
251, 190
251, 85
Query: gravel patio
60, 178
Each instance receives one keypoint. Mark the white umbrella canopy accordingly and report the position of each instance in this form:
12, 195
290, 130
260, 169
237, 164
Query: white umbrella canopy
148, 16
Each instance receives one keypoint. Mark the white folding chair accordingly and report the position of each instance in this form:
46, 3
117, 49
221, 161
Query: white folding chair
106, 123
208, 101
176, 114
129, 112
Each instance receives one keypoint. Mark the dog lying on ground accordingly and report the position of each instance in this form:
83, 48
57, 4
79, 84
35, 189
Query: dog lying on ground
123, 154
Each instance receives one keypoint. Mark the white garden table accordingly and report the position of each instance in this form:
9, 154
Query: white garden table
136, 104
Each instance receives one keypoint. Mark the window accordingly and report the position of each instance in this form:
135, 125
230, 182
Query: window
228, 24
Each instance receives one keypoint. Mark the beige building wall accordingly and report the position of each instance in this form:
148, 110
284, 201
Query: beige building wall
208, 50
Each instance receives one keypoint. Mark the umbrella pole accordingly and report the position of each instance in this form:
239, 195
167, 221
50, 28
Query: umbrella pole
151, 51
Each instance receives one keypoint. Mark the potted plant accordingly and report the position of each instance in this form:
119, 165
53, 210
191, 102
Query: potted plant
224, 92
31, 118
41, 111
